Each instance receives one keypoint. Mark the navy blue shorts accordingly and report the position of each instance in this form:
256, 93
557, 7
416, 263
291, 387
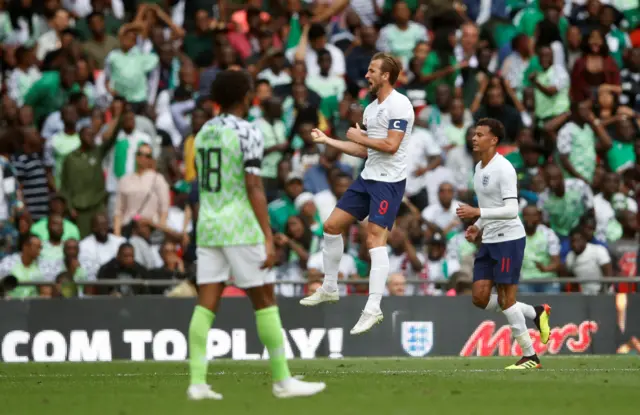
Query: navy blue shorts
500, 262
378, 200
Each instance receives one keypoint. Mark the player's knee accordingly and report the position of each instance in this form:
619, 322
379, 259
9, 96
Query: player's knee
480, 300
332, 227
374, 240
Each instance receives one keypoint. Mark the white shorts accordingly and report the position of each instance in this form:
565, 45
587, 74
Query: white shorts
240, 263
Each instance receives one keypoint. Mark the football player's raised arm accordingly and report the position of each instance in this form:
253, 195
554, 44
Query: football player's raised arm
253, 148
347, 147
390, 144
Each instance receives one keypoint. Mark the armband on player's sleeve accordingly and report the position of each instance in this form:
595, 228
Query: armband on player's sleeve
398, 125
253, 166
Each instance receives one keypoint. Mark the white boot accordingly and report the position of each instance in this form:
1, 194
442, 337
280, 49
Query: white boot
292, 387
319, 297
366, 322
200, 392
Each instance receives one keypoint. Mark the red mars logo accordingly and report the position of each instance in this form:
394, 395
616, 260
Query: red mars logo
485, 341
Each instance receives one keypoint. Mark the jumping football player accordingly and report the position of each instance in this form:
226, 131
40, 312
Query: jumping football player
377, 193
234, 236
499, 259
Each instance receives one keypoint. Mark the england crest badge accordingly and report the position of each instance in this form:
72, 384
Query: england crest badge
417, 337
485, 180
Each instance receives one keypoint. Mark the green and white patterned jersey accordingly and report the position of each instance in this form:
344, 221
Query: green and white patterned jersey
540, 247
226, 148
579, 143
564, 213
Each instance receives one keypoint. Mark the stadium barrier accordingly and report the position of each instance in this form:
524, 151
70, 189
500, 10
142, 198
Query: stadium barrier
155, 328
411, 281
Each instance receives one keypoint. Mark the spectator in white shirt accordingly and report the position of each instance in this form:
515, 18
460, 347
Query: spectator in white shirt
145, 254
396, 285
404, 258
325, 84
438, 265
401, 36
435, 178
608, 202
276, 72
326, 200
80, 8
316, 37
423, 156
101, 246
588, 261
461, 164
24, 75
51, 40
121, 160
440, 215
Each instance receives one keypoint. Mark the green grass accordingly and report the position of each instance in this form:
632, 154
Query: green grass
566, 385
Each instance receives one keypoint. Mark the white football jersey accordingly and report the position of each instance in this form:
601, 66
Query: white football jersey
394, 113
494, 184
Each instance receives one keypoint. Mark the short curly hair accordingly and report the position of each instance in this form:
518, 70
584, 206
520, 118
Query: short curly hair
495, 127
230, 88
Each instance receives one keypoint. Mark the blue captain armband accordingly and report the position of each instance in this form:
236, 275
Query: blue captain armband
398, 125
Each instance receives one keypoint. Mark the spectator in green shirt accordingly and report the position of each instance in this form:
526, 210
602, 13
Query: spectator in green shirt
51, 91
515, 157
527, 19
52, 249
57, 206
441, 66
83, 182
275, 142
64, 142
577, 144
617, 40
281, 209
564, 203
78, 268
551, 82
532, 159
126, 69
621, 156
24, 266
542, 253
198, 45
401, 36
99, 7
331, 88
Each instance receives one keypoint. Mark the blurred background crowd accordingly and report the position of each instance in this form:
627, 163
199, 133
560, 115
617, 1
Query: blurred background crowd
101, 101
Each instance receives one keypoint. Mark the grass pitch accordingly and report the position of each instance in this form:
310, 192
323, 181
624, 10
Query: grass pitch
567, 385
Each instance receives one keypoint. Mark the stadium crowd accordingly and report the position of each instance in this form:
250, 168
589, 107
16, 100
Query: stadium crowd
101, 101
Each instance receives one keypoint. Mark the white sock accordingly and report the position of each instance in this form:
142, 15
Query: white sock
331, 256
519, 329
528, 310
493, 305
377, 277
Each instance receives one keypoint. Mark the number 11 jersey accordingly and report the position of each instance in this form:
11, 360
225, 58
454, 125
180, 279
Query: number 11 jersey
227, 147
